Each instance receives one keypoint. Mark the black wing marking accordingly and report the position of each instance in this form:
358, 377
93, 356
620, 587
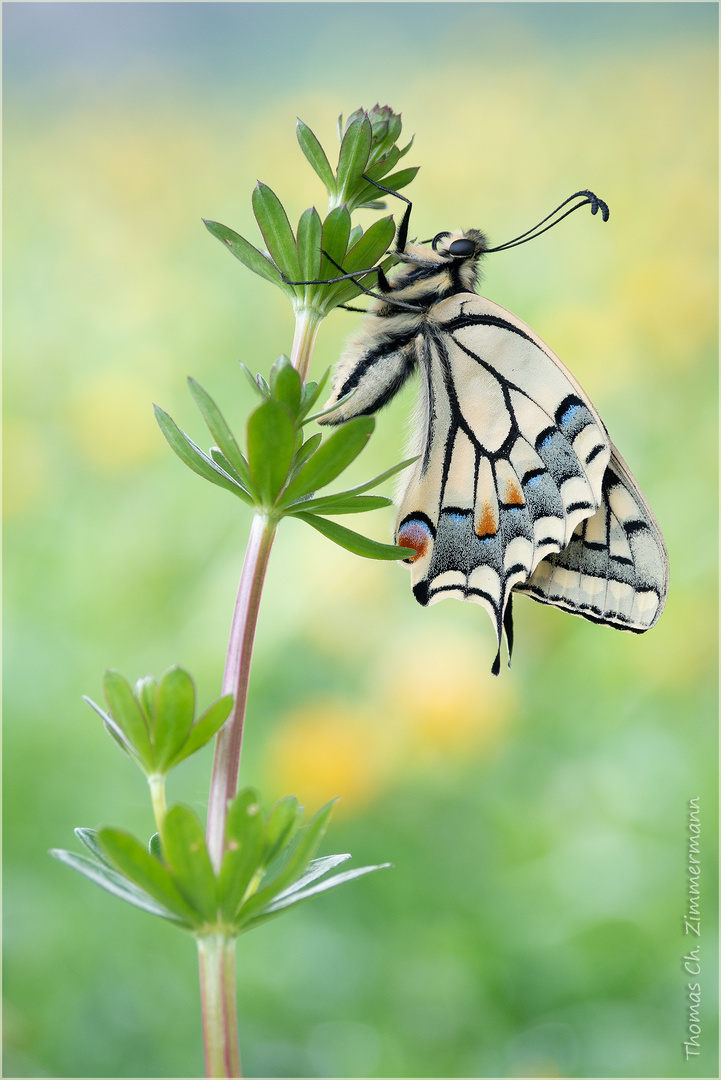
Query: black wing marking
514, 457
615, 569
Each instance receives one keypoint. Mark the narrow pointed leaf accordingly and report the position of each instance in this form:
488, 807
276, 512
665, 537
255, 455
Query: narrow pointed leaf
244, 840
271, 446
312, 395
250, 256
192, 456
379, 169
331, 458
379, 479
372, 245
128, 715
315, 154
284, 816
145, 692
114, 730
222, 462
113, 882
303, 849
296, 897
353, 156
174, 713
132, 858
220, 431
401, 179
89, 838
316, 869
353, 541
310, 233
336, 230
207, 726
253, 381
187, 859
277, 233
331, 408
155, 847
336, 504
407, 147
288, 389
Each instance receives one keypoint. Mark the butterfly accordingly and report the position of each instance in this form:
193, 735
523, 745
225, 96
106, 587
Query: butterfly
517, 486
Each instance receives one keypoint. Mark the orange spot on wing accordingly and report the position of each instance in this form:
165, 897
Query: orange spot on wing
514, 494
415, 534
488, 520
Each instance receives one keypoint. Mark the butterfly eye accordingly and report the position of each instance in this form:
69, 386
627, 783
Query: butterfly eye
462, 248
434, 242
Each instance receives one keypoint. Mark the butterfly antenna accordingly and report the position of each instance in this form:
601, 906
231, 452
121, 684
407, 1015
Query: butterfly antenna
587, 198
402, 237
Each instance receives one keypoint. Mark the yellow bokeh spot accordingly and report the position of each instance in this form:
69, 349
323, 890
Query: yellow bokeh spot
444, 695
326, 750
111, 422
26, 467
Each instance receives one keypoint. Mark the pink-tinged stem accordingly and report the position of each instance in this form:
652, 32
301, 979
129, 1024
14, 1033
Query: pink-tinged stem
216, 956
306, 329
224, 782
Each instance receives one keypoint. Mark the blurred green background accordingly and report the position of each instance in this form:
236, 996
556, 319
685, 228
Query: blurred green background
532, 925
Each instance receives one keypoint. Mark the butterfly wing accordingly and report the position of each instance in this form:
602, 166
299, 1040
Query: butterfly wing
513, 456
615, 569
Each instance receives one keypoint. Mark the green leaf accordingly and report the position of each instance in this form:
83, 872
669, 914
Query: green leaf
133, 860
207, 726
114, 730
286, 385
128, 715
379, 479
330, 459
192, 456
378, 170
220, 431
353, 541
253, 381
353, 156
336, 230
244, 840
310, 234
407, 147
337, 504
113, 882
188, 861
304, 848
311, 393
145, 693
223, 463
155, 846
271, 446
315, 154
309, 447
401, 179
89, 838
282, 820
316, 868
288, 898
174, 715
249, 256
277, 233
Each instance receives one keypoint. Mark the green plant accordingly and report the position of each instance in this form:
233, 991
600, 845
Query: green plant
246, 867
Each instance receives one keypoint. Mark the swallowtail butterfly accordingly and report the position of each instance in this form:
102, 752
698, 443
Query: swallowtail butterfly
517, 486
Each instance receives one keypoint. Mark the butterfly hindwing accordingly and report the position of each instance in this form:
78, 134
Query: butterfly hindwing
615, 569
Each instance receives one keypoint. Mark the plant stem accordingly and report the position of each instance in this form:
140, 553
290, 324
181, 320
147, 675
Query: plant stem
224, 782
156, 783
216, 956
306, 329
